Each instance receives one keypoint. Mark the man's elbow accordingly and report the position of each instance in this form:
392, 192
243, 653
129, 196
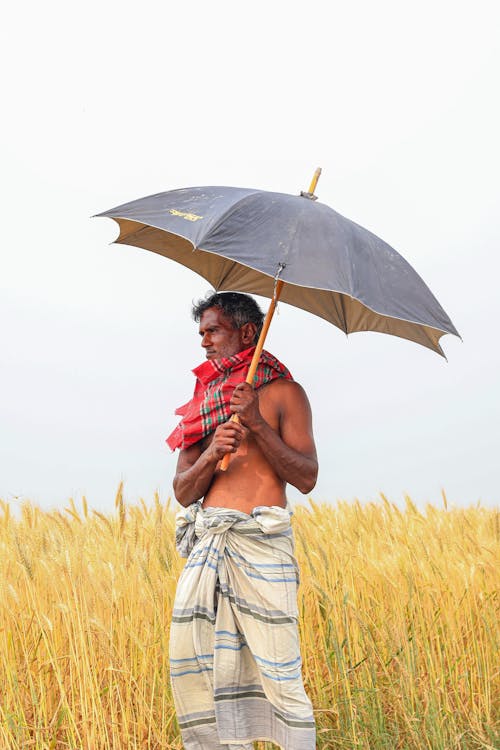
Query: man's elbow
306, 487
308, 480
182, 497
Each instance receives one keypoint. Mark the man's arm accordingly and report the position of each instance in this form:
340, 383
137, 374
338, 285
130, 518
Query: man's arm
292, 453
195, 466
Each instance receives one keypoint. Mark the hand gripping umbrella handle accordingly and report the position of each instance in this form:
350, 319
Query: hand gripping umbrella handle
256, 356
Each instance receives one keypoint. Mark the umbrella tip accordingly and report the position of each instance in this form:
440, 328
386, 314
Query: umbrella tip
312, 186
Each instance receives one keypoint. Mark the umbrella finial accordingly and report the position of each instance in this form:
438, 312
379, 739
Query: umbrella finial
312, 186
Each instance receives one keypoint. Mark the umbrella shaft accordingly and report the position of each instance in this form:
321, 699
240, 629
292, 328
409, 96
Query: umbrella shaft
263, 334
256, 356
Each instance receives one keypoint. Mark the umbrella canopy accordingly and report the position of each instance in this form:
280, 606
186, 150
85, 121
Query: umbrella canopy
243, 240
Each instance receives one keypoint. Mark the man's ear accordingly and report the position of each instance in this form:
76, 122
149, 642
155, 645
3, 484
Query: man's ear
248, 331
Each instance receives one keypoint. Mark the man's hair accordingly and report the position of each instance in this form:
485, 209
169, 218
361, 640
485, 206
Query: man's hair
238, 308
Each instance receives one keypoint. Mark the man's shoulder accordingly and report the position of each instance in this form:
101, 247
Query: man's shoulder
287, 398
283, 388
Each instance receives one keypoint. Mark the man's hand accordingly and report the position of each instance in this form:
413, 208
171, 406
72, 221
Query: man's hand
245, 403
227, 438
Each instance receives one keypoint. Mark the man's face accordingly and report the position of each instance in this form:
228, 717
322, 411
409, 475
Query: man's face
218, 336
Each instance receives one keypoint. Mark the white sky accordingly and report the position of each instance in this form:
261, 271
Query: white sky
107, 102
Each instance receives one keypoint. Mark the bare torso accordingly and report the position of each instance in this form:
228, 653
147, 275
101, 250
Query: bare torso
250, 480
272, 446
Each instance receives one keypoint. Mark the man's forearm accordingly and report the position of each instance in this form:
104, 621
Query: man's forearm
193, 483
195, 469
290, 465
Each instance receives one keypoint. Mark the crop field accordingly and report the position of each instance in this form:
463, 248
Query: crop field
398, 618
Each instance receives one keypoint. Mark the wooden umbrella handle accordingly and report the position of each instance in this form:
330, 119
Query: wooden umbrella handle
256, 356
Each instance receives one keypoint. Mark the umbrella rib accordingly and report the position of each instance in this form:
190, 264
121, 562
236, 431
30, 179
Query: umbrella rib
344, 316
339, 309
435, 344
223, 277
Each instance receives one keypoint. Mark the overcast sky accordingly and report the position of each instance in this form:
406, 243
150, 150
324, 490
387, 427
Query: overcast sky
106, 102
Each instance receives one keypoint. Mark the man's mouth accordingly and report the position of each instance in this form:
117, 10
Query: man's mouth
210, 353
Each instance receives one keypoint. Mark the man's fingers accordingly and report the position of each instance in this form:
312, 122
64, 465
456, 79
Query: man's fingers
243, 386
231, 439
229, 436
232, 428
242, 390
229, 446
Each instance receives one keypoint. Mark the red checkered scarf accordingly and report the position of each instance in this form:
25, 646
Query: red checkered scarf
215, 383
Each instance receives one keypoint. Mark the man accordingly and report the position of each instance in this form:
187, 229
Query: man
235, 658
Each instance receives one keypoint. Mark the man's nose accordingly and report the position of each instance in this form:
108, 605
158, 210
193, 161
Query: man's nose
205, 340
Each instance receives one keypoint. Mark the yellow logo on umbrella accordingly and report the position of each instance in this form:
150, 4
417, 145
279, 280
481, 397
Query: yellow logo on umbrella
188, 216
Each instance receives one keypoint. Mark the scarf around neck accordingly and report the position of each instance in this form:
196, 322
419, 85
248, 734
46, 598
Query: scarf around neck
216, 380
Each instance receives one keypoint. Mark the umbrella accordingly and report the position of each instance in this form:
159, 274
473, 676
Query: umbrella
287, 246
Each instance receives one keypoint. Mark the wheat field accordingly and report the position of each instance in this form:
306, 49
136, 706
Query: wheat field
398, 618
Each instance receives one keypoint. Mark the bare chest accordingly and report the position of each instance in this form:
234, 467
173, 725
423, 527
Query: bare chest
269, 407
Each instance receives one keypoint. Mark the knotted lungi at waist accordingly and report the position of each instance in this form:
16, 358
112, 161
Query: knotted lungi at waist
234, 648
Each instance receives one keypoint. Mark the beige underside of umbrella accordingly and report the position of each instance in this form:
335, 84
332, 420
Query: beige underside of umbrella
225, 274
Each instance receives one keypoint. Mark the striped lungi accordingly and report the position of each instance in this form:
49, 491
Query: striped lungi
234, 647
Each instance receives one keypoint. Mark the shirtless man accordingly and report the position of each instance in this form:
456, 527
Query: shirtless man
272, 446
235, 661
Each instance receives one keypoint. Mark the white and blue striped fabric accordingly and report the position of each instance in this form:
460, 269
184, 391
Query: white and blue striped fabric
234, 647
